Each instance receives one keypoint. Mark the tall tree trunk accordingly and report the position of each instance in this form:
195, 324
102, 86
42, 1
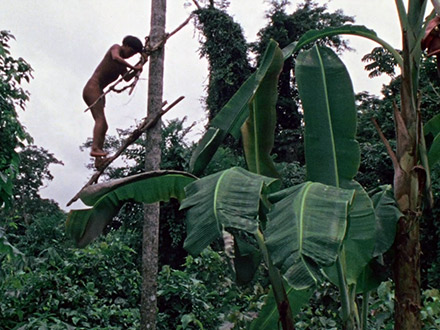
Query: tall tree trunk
150, 244
408, 179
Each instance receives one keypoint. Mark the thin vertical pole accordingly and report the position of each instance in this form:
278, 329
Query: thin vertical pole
150, 244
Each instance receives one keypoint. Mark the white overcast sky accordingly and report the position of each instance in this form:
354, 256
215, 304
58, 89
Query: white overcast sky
65, 40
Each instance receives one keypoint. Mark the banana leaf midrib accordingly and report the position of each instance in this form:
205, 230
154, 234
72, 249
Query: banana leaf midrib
214, 206
328, 111
301, 230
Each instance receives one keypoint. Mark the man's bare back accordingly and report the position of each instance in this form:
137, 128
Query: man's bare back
111, 67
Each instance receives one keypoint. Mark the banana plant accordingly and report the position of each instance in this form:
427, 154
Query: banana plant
300, 231
333, 157
412, 158
292, 233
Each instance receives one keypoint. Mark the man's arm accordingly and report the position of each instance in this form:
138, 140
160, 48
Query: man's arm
114, 52
131, 74
115, 56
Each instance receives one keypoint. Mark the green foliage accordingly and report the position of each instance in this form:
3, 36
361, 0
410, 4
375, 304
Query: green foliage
382, 61
327, 93
203, 295
376, 167
7, 250
64, 288
107, 198
322, 310
286, 28
259, 128
232, 116
26, 206
228, 199
13, 72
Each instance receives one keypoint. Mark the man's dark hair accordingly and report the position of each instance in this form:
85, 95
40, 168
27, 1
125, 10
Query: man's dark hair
133, 42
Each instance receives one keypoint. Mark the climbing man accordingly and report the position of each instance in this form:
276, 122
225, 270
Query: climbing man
111, 67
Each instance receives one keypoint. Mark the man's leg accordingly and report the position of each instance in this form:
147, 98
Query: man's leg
90, 94
99, 131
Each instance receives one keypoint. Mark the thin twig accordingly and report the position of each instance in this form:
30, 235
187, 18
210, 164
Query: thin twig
387, 144
197, 4
145, 125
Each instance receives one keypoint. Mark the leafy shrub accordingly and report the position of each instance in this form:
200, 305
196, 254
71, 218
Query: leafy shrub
63, 288
204, 295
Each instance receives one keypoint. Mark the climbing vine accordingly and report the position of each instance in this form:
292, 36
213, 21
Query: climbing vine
224, 46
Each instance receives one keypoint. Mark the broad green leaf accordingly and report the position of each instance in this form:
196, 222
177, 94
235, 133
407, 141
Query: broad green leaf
232, 116
434, 151
206, 149
87, 224
372, 276
246, 261
7, 248
359, 242
230, 198
259, 129
305, 231
431, 131
91, 194
360, 239
268, 317
387, 216
432, 127
332, 153
358, 30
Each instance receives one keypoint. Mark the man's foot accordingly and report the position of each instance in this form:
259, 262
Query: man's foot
99, 162
98, 153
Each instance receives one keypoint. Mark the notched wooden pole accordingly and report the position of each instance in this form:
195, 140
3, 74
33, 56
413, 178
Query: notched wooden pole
148, 122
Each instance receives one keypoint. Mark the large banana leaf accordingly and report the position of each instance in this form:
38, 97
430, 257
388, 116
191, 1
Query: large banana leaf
432, 133
432, 127
332, 153
305, 231
358, 30
246, 261
87, 224
259, 129
91, 194
387, 216
230, 198
360, 240
232, 116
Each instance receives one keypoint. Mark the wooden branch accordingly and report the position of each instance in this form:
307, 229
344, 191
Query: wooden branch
145, 125
387, 145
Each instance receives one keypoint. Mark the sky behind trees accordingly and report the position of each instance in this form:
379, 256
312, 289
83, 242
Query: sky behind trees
64, 42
